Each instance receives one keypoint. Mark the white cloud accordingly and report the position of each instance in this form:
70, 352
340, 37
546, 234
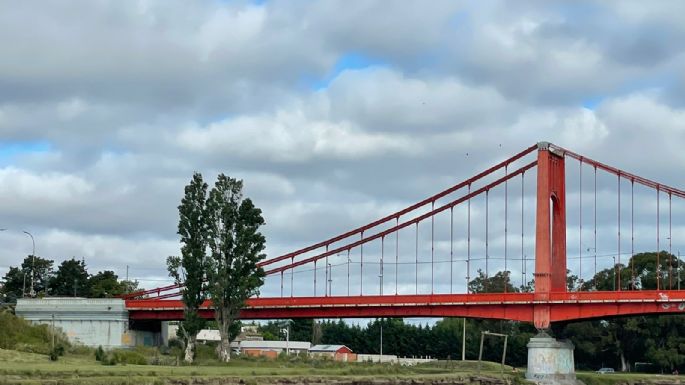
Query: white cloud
230, 29
109, 252
387, 100
289, 136
70, 109
21, 187
650, 129
579, 128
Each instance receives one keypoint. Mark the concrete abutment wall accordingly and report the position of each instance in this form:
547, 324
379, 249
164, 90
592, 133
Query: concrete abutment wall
90, 321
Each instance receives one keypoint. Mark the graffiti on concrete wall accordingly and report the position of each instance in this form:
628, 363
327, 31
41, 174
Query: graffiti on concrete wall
550, 361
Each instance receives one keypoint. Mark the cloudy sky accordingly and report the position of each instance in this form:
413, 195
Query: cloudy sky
334, 113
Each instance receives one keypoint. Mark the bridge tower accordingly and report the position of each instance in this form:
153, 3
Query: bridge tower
550, 230
549, 361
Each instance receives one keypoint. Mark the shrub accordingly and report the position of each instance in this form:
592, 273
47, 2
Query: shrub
146, 351
164, 350
123, 357
176, 343
100, 354
56, 352
128, 357
205, 352
81, 350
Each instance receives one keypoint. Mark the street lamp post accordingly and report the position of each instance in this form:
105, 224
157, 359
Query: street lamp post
32, 293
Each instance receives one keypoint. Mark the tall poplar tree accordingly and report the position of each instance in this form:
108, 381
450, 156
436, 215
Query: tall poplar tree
190, 268
236, 246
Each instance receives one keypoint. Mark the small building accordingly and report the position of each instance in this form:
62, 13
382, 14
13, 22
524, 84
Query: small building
334, 352
208, 335
391, 358
248, 332
270, 349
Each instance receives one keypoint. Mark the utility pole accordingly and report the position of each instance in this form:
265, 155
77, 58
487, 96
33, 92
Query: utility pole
53, 332
330, 279
325, 290
463, 341
348, 272
380, 289
380, 359
480, 351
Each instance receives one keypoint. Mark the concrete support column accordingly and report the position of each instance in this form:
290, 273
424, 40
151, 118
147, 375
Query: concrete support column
550, 361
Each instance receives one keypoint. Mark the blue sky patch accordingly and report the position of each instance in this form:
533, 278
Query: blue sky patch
592, 102
348, 61
10, 150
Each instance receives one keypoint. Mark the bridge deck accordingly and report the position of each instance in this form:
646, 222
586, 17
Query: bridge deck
512, 306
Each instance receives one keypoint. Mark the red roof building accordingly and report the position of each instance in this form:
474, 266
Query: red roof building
334, 352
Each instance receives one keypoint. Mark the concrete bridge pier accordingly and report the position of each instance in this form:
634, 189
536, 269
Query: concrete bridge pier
550, 361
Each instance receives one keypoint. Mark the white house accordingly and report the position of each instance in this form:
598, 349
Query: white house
270, 348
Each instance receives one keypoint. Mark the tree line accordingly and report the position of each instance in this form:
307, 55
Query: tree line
442, 340
70, 279
637, 343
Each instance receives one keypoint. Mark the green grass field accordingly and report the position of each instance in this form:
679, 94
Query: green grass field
24, 359
592, 378
81, 368
29, 368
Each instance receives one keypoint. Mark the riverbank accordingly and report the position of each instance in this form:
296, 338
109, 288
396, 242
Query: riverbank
30, 368
591, 378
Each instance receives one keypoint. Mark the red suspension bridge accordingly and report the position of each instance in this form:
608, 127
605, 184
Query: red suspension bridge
443, 240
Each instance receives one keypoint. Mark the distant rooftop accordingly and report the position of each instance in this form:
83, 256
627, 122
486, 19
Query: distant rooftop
327, 348
297, 345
